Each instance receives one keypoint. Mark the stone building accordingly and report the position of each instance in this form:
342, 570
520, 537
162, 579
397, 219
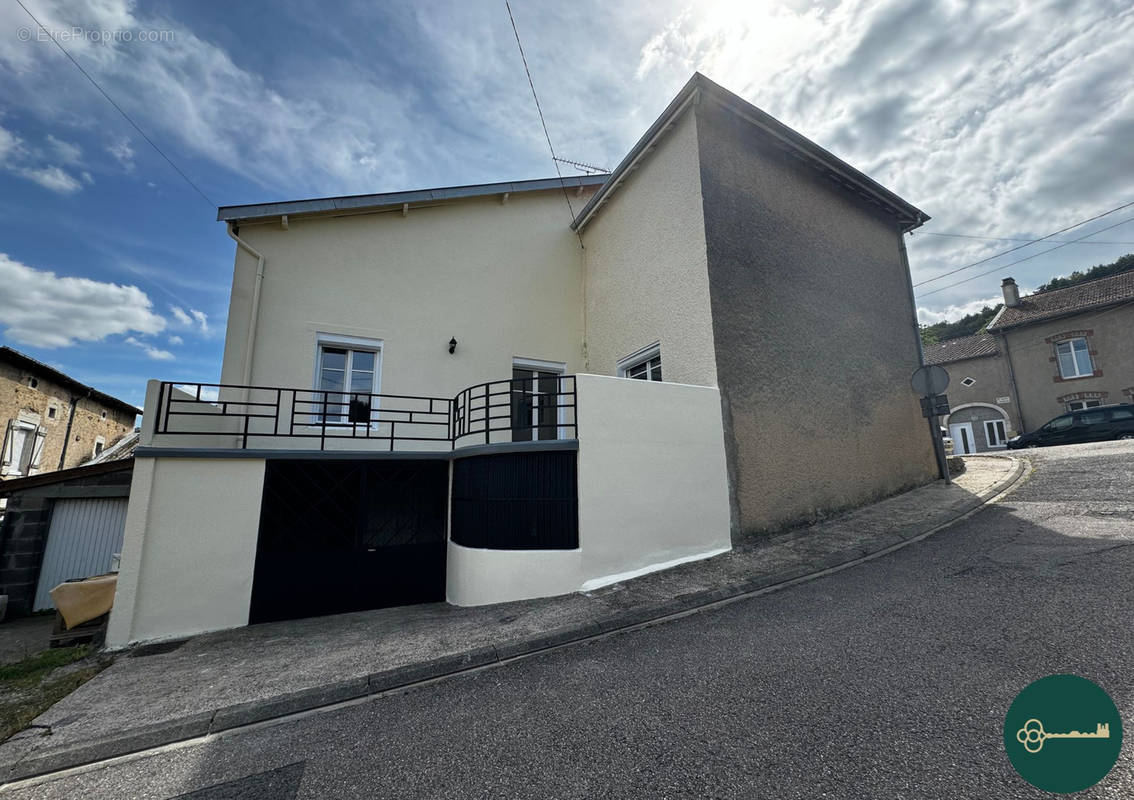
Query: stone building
52, 421
1043, 355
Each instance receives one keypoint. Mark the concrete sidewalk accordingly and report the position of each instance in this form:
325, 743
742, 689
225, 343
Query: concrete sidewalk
166, 693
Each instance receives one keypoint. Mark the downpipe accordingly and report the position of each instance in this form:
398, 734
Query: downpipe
253, 316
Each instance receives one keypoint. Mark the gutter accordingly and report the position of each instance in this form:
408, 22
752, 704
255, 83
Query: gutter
75, 398
253, 316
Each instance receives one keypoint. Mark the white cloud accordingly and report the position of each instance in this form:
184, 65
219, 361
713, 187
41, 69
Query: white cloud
26, 162
123, 153
193, 318
9, 143
176, 340
952, 313
53, 178
151, 351
43, 309
67, 152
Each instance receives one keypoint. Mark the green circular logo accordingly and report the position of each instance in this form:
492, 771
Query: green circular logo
1063, 733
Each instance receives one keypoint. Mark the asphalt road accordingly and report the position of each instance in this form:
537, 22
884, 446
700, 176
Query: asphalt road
886, 680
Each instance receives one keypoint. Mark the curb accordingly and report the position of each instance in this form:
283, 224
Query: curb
230, 718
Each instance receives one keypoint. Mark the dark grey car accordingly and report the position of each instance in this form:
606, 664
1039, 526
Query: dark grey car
1097, 424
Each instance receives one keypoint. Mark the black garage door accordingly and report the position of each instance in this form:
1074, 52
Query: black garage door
338, 536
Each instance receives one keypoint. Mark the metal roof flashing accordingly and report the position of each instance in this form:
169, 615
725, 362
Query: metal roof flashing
375, 202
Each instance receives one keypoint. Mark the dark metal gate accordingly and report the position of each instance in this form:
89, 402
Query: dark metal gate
338, 536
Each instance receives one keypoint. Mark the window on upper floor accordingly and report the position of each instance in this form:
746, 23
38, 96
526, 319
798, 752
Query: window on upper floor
347, 374
1074, 358
1079, 405
22, 448
645, 365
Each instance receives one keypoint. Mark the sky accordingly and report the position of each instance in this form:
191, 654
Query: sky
998, 119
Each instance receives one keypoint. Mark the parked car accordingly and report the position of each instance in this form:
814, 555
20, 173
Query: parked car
1097, 424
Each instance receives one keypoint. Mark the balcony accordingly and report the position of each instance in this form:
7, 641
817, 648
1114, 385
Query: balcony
231, 416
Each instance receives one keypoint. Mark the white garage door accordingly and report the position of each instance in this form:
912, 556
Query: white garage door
83, 537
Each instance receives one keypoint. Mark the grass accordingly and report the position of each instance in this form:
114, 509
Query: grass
31, 686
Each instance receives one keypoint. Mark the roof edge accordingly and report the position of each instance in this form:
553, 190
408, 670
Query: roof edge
1062, 315
362, 202
23, 359
911, 216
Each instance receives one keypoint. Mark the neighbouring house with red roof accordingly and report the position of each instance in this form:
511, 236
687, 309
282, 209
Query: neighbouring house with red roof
1042, 355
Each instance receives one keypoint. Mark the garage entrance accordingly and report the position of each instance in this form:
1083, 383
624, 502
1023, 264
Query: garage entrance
338, 536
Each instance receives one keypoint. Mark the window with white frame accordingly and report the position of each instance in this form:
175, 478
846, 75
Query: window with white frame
1079, 405
347, 374
1074, 359
644, 365
994, 432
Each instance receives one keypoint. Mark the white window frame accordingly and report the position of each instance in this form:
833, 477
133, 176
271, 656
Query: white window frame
1070, 343
95, 451
1083, 405
637, 358
560, 369
994, 437
35, 437
350, 343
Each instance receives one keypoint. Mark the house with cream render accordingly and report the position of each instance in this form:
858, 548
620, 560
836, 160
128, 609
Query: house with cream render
487, 393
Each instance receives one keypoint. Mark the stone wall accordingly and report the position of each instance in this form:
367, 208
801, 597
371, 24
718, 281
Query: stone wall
48, 404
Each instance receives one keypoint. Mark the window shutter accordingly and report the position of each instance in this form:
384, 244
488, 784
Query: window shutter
37, 448
9, 443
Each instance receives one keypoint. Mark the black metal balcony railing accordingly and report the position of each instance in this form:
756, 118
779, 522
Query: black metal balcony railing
523, 408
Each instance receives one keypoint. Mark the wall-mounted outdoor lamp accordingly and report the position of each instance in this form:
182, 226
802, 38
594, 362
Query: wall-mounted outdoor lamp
452, 345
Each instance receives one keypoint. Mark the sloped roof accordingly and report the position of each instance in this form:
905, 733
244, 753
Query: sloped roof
370, 202
979, 345
797, 144
1042, 306
41, 370
123, 448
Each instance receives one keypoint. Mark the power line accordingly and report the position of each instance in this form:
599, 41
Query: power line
1005, 238
1020, 247
1028, 258
117, 107
542, 122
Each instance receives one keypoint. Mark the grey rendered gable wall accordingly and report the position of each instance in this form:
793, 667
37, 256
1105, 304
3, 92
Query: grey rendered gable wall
811, 321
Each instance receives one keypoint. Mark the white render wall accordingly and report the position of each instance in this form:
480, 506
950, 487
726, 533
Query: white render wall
647, 267
504, 279
189, 549
653, 490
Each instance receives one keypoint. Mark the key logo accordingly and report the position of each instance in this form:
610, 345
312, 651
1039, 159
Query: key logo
1063, 733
